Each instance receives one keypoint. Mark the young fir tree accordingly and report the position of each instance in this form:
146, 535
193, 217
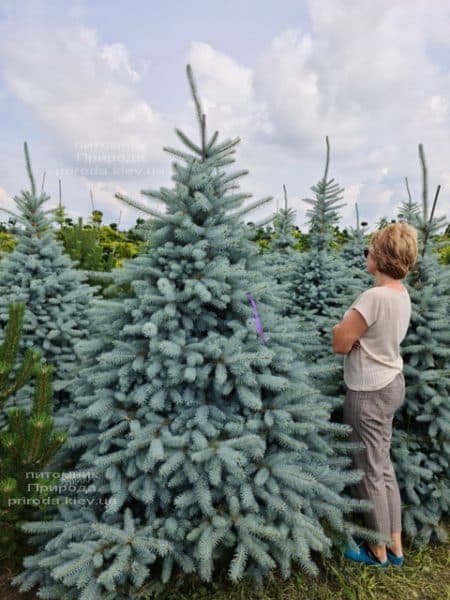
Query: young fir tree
321, 286
283, 223
26, 445
421, 431
208, 442
409, 210
278, 256
353, 254
320, 283
7, 239
40, 275
280, 259
81, 243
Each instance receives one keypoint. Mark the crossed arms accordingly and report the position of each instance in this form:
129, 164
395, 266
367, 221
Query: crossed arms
347, 332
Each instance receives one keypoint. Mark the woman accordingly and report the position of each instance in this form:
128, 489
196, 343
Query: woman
370, 335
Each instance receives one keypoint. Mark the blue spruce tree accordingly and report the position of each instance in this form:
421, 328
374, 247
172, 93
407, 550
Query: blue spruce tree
409, 209
321, 286
421, 430
283, 223
206, 440
353, 253
40, 275
278, 257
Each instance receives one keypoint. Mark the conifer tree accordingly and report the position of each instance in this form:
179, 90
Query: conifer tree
324, 215
40, 275
7, 240
283, 223
197, 414
321, 286
408, 210
421, 431
82, 245
278, 257
27, 444
353, 253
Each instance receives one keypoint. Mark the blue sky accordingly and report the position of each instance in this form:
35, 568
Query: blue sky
97, 88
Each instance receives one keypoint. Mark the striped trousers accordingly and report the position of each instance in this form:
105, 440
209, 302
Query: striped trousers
371, 413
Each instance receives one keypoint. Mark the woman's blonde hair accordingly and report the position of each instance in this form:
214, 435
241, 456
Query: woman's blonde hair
394, 249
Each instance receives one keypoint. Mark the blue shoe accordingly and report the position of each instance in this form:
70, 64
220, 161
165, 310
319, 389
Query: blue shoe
365, 556
395, 560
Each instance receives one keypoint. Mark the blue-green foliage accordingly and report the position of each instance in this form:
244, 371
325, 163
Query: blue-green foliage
39, 274
205, 444
353, 254
421, 437
321, 286
283, 223
421, 434
280, 263
279, 260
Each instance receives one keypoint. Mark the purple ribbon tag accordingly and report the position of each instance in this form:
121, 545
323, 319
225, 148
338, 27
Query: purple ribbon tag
258, 323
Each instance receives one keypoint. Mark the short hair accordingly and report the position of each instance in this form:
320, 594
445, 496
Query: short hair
394, 249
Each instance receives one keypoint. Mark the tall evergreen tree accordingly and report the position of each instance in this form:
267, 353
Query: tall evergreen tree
421, 431
321, 286
197, 415
40, 275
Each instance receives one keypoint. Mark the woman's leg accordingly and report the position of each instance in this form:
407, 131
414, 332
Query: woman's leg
371, 413
367, 428
393, 495
396, 545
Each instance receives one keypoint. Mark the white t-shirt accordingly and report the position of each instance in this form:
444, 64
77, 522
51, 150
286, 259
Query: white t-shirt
377, 361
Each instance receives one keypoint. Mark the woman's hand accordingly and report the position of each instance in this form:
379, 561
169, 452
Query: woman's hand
355, 345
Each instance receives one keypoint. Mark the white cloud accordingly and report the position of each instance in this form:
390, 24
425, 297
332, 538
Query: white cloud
298, 103
227, 93
351, 195
82, 91
116, 57
363, 75
6, 202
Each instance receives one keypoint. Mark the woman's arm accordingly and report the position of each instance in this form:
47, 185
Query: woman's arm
348, 331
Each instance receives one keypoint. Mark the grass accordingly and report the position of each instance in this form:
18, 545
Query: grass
425, 575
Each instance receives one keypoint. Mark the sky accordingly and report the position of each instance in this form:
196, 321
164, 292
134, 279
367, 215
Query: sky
97, 89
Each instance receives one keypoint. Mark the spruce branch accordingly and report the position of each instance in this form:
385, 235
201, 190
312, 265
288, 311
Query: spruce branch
407, 189
431, 219
327, 162
139, 206
30, 173
424, 182
252, 206
200, 114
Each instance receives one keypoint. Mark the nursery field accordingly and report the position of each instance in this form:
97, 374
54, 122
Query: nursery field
178, 387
